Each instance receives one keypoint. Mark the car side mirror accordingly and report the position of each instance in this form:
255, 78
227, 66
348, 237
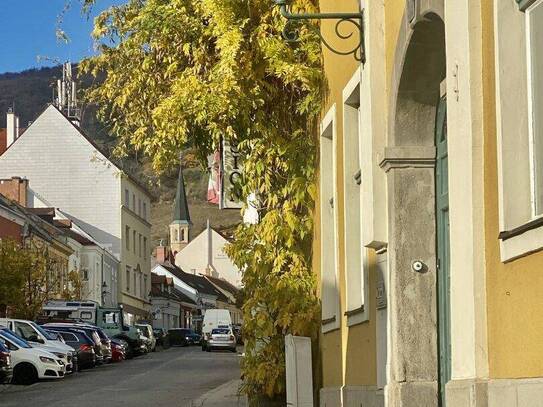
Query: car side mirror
35, 338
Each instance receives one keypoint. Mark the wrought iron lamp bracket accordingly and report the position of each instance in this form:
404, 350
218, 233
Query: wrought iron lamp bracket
356, 19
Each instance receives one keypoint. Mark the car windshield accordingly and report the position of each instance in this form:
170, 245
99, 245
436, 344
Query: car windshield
43, 331
222, 331
143, 330
13, 337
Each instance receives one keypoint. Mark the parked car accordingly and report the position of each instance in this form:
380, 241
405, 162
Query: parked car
177, 337
30, 364
105, 344
147, 331
91, 332
6, 369
191, 337
221, 338
238, 333
118, 350
162, 338
38, 337
79, 340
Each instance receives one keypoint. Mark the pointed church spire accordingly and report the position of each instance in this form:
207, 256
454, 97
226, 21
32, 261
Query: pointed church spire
180, 226
181, 207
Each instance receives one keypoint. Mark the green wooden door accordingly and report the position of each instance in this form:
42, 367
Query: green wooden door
443, 256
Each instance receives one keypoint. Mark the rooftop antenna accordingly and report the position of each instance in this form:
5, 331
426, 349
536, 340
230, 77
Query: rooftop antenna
66, 99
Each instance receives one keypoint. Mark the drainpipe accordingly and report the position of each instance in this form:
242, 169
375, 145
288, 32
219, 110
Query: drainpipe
209, 247
102, 279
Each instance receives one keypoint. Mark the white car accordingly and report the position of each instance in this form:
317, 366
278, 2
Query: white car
37, 337
30, 364
221, 338
147, 332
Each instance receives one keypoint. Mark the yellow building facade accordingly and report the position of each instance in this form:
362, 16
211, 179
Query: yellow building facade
429, 219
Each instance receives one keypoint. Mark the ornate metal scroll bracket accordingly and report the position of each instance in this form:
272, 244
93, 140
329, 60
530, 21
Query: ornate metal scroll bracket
356, 20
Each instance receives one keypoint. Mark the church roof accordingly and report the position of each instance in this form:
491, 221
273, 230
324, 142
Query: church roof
181, 207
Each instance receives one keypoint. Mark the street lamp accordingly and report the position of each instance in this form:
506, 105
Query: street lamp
355, 19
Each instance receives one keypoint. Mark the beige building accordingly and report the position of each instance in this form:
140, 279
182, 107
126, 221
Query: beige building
429, 236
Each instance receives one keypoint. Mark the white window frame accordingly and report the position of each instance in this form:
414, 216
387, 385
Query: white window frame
331, 311
531, 114
521, 232
357, 308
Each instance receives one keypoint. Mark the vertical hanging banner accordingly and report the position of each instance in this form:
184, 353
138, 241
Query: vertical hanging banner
231, 176
214, 184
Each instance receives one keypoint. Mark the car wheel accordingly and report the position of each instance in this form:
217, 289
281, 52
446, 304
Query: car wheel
208, 349
234, 350
25, 373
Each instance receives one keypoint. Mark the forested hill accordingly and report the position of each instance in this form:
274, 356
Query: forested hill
27, 91
30, 91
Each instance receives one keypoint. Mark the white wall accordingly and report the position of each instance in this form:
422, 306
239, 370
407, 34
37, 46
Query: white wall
64, 167
194, 256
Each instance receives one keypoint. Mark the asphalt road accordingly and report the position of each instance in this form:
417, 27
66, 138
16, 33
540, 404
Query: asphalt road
173, 378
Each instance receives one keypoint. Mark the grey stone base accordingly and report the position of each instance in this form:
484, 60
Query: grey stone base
412, 394
330, 397
495, 393
352, 396
363, 396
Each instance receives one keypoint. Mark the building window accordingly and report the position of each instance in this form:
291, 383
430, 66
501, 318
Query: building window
534, 23
135, 285
139, 207
128, 278
139, 244
127, 237
329, 255
145, 293
127, 198
134, 241
145, 210
355, 267
519, 108
182, 238
85, 275
134, 203
145, 248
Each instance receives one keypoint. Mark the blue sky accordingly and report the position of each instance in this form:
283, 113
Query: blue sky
27, 31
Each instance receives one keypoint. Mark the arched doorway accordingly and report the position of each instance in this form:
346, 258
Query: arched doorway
416, 363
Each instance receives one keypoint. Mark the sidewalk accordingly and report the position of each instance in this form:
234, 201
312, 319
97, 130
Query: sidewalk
225, 395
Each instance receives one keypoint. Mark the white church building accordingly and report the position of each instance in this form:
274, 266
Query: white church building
203, 254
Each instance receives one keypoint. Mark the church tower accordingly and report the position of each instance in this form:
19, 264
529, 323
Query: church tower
180, 226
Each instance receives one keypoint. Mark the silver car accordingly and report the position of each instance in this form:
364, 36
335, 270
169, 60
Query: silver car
221, 338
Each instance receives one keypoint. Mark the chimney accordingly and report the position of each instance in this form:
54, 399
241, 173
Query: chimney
162, 254
15, 189
12, 124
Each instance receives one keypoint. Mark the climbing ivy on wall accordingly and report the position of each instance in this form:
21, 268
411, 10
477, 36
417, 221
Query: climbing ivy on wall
185, 73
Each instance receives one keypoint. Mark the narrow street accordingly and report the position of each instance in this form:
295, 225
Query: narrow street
173, 377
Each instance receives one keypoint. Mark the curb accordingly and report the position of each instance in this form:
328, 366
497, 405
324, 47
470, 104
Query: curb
226, 395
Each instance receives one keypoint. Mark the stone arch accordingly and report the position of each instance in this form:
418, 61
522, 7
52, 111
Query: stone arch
422, 70
419, 69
